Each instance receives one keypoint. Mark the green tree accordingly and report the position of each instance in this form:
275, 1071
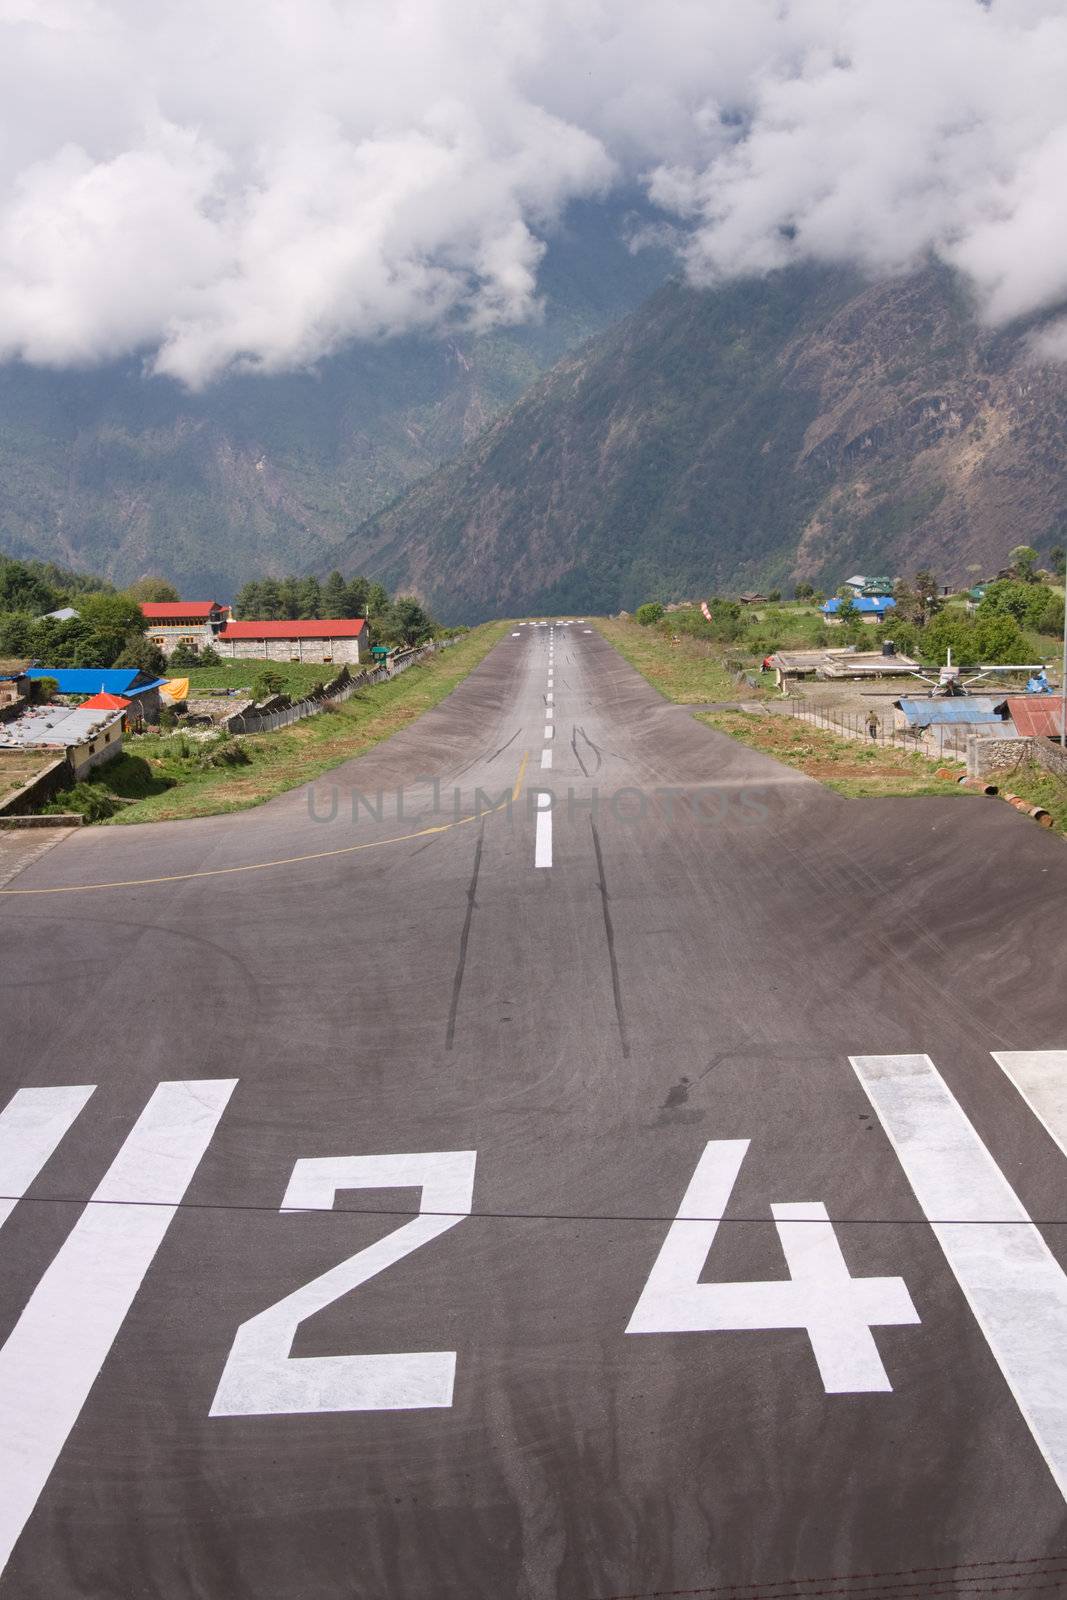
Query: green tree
24, 589
649, 613
209, 657
16, 631
183, 655
142, 653
803, 591
1057, 557
334, 596
1008, 597
310, 598
289, 596
157, 591
270, 601
248, 606
356, 597
377, 600
112, 613
408, 621
1051, 619
1023, 560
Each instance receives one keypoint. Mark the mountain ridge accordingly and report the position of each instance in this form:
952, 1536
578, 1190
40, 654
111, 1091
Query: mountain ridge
769, 431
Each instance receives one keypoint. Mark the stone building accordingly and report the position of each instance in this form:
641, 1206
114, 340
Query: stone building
333, 641
193, 623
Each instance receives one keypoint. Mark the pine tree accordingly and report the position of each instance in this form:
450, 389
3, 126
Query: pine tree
356, 597
289, 593
334, 596
310, 597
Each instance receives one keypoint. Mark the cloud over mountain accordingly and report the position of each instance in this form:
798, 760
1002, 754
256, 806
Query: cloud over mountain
224, 184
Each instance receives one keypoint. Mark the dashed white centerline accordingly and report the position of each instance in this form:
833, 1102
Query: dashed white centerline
549, 713
546, 758
549, 730
548, 698
543, 838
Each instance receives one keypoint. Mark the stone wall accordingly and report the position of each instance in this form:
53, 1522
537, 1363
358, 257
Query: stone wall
997, 755
346, 650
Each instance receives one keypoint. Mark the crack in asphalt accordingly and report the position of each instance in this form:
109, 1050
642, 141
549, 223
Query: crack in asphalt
457, 981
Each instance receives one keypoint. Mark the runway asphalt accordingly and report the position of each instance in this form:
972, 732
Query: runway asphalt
372, 1148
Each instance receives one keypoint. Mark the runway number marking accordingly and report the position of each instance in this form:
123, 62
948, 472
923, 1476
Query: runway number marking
262, 1378
56, 1349
836, 1310
1013, 1283
31, 1126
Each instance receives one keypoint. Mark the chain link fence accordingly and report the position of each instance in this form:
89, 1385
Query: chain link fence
940, 739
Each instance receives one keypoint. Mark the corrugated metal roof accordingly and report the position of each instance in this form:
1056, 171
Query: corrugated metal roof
1036, 716
952, 708
128, 681
177, 611
319, 628
54, 727
865, 604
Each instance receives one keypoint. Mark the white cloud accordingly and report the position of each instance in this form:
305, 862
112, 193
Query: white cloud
219, 183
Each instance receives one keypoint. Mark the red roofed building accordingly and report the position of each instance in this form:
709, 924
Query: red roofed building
193, 623
327, 639
1036, 716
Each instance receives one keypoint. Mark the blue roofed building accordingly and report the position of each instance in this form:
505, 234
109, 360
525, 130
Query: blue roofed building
868, 607
133, 684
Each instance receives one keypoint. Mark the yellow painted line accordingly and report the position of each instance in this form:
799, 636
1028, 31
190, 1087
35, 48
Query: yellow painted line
283, 861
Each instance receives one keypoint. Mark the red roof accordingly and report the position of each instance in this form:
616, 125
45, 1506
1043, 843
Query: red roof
104, 702
317, 628
1036, 716
178, 611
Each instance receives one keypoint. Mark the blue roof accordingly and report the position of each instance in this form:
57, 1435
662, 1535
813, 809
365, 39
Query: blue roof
90, 680
862, 602
954, 708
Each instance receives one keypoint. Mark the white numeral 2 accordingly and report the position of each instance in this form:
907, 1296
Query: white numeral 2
261, 1377
836, 1311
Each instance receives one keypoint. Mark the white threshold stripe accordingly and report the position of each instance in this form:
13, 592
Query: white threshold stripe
543, 837
1012, 1282
546, 758
31, 1126
1041, 1078
56, 1349
549, 730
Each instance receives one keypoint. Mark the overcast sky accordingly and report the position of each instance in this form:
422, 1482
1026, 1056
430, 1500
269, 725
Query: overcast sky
222, 183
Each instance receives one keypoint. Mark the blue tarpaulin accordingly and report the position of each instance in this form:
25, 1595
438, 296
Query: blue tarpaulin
954, 708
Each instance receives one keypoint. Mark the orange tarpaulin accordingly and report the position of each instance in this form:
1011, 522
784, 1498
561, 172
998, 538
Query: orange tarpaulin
175, 689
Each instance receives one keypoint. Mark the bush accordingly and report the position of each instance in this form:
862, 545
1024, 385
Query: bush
209, 657
42, 690
225, 752
1026, 602
92, 800
268, 683
183, 655
648, 613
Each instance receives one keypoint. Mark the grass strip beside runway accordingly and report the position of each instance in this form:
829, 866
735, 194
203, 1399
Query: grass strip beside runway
293, 755
691, 672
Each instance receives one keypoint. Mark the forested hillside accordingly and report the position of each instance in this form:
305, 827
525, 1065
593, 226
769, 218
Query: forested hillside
799, 426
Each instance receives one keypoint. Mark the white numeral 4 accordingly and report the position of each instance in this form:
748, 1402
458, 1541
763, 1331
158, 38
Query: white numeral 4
836, 1311
261, 1376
